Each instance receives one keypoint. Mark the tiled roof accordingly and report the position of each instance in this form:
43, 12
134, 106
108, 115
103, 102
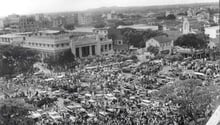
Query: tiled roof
162, 39
174, 34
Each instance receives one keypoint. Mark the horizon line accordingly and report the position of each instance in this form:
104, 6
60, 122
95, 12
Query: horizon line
67, 11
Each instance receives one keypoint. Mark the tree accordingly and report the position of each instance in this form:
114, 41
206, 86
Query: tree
15, 60
100, 25
153, 49
138, 38
196, 41
15, 112
192, 97
69, 26
171, 17
64, 59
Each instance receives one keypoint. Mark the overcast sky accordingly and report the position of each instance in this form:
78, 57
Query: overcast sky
40, 6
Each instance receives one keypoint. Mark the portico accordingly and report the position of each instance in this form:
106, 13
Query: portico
89, 46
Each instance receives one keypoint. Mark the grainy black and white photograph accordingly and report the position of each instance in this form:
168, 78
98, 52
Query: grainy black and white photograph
109, 62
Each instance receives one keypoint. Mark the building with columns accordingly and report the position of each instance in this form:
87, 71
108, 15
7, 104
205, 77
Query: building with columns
11, 39
93, 44
48, 42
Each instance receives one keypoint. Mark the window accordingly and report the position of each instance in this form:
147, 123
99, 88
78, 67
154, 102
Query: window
102, 48
62, 45
119, 42
48, 45
106, 47
57, 45
110, 46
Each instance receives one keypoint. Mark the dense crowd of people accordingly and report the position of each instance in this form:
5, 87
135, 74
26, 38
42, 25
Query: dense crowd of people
106, 90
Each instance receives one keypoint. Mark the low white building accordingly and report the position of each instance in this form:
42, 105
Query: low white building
164, 43
213, 32
140, 27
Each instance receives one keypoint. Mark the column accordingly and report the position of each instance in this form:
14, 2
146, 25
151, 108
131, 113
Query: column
73, 49
90, 50
80, 52
98, 48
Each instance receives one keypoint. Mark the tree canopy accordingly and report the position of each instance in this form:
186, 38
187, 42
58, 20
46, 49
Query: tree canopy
169, 17
16, 60
65, 58
15, 112
69, 26
196, 41
138, 38
192, 98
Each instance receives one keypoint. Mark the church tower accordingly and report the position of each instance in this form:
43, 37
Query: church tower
186, 26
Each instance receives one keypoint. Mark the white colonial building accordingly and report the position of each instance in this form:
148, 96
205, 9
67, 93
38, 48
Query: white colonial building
12, 39
94, 44
48, 42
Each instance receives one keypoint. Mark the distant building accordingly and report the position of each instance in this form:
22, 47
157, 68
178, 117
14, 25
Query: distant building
11, 19
42, 21
186, 26
12, 22
216, 18
58, 22
112, 16
70, 20
164, 43
84, 19
203, 16
90, 45
140, 27
167, 13
39, 17
190, 12
27, 24
1, 24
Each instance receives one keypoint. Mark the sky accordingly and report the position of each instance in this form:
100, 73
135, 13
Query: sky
43, 6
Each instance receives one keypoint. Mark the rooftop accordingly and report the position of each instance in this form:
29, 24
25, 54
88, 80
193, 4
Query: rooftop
162, 39
139, 27
213, 27
173, 34
84, 29
49, 31
10, 36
